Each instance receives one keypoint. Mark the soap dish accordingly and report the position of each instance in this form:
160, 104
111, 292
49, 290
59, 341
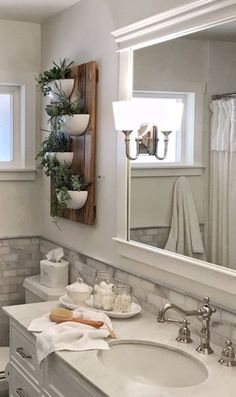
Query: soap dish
135, 308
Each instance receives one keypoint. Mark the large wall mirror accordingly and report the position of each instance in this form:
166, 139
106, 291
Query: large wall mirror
180, 225
186, 203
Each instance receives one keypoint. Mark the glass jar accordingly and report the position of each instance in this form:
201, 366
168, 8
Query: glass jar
104, 291
122, 302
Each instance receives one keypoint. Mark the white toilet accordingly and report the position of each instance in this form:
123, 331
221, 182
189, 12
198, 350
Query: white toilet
34, 292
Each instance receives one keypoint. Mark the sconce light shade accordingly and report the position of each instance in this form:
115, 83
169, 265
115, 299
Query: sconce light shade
167, 118
129, 116
125, 116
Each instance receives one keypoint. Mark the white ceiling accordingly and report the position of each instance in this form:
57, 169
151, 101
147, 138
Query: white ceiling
32, 10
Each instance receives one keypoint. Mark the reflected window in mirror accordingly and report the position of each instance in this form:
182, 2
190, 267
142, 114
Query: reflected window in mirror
170, 116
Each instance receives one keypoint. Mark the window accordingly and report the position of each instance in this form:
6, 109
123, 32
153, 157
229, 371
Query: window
181, 139
9, 125
17, 125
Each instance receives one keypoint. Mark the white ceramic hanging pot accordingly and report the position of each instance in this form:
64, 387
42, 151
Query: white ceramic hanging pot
61, 157
77, 200
65, 85
75, 125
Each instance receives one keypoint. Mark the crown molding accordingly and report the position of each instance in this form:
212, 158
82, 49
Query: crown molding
151, 30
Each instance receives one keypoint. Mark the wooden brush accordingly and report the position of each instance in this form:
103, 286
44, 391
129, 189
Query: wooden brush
60, 315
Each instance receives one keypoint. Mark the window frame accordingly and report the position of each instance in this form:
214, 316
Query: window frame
14, 92
23, 165
191, 146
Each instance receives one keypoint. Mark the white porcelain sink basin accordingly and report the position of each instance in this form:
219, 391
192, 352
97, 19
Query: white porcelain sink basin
153, 363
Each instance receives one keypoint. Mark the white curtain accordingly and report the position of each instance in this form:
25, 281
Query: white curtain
223, 183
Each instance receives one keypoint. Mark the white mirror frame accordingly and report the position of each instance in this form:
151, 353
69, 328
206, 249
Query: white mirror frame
193, 276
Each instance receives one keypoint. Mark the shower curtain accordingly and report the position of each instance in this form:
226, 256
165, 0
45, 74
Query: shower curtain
222, 217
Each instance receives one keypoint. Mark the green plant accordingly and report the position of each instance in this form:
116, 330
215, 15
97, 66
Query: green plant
64, 180
55, 142
63, 106
57, 72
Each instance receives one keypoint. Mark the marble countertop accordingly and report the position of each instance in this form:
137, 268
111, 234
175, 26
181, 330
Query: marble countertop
221, 381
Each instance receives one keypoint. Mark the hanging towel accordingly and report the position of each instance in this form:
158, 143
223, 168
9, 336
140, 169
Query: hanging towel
70, 335
185, 236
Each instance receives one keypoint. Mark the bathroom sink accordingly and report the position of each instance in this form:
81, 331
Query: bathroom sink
153, 363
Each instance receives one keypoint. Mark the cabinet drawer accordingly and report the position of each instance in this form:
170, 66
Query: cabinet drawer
23, 352
20, 386
61, 381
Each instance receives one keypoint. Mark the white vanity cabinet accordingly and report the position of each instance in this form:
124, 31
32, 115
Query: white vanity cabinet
53, 379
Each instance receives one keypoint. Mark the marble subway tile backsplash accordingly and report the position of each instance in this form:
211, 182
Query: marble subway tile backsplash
155, 236
149, 294
19, 258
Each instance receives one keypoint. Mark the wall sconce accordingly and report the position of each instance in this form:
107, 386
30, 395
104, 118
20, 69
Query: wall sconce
129, 116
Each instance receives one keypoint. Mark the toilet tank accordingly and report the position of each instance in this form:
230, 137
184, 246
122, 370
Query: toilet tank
35, 292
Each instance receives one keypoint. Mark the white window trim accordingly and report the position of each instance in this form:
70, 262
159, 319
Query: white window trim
146, 170
14, 92
187, 274
25, 169
195, 150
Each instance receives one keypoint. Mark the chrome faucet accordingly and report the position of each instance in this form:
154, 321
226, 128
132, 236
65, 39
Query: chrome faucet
205, 312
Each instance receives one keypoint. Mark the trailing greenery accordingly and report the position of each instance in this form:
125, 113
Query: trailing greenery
64, 180
63, 107
55, 142
57, 72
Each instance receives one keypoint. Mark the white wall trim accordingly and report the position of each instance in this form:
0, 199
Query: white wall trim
160, 265
17, 174
145, 32
144, 170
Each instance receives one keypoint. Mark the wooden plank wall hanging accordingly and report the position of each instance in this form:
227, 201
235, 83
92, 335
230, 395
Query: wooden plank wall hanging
84, 146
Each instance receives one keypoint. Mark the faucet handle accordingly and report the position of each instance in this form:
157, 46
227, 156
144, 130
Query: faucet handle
207, 310
228, 355
184, 333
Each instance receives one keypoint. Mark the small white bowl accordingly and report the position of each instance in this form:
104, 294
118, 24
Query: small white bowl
75, 125
79, 291
61, 157
77, 199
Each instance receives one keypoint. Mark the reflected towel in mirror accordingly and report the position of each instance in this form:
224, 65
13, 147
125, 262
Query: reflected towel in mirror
185, 235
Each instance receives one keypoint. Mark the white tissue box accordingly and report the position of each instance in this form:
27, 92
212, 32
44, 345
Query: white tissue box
53, 274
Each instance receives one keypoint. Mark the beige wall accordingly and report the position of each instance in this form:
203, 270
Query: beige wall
171, 62
125, 12
20, 45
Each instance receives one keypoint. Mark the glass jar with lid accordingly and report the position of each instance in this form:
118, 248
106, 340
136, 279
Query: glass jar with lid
104, 291
122, 302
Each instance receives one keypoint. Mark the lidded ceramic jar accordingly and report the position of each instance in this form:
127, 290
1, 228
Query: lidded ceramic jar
104, 291
79, 291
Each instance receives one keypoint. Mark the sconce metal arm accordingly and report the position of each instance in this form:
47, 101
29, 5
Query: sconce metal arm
127, 145
166, 141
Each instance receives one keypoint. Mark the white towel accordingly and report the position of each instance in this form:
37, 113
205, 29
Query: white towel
70, 335
185, 235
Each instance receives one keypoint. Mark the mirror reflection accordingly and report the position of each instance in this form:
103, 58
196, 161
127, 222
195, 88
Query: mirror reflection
185, 203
